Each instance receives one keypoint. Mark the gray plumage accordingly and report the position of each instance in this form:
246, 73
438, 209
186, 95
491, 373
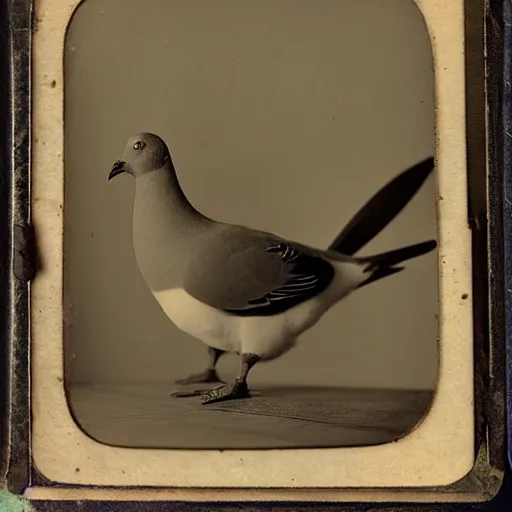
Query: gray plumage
234, 288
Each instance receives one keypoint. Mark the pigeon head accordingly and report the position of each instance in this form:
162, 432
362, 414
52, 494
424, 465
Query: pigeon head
143, 153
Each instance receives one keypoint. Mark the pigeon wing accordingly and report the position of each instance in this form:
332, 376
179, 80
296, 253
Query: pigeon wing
256, 276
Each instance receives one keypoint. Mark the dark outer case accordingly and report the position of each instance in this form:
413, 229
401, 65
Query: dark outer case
489, 95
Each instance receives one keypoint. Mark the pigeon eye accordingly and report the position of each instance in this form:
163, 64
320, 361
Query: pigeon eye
138, 146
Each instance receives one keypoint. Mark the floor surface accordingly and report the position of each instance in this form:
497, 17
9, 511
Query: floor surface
145, 416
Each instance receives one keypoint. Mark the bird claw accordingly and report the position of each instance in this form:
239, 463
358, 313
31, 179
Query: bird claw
193, 392
233, 391
198, 378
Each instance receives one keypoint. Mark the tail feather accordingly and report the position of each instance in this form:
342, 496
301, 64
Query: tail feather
382, 208
396, 256
383, 264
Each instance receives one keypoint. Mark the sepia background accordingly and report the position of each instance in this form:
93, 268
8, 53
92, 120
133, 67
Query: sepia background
281, 115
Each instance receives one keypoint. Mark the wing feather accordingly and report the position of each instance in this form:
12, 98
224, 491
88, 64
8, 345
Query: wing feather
258, 277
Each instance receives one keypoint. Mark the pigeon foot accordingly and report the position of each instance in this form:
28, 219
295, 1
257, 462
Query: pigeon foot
233, 391
193, 392
208, 375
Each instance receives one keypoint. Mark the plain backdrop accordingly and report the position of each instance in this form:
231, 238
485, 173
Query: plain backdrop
284, 115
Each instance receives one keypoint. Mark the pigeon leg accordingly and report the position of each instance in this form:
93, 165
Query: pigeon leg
208, 375
236, 389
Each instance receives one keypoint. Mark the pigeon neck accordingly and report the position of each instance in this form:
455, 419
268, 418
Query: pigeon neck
165, 226
161, 188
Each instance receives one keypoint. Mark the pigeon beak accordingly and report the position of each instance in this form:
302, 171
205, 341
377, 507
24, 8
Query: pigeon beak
118, 168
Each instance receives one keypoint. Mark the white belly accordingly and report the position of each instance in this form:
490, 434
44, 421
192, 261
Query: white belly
266, 336
205, 323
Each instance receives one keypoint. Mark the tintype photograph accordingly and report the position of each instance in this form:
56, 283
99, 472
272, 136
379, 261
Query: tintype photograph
255, 261
229, 282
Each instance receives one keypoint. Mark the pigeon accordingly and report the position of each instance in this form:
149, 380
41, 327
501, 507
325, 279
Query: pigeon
241, 290
365, 225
